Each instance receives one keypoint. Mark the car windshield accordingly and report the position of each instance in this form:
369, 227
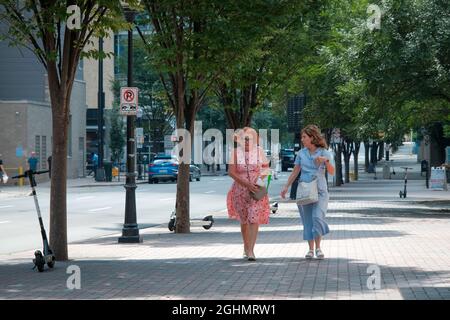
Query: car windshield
163, 162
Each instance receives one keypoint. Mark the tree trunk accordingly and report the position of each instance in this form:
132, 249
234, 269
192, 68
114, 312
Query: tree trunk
182, 198
183, 212
366, 153
327, 133
347, 146
373, 153
380, 150
58, 190
355, 158
338, 164
242, 116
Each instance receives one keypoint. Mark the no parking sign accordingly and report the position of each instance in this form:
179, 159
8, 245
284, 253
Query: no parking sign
129, 101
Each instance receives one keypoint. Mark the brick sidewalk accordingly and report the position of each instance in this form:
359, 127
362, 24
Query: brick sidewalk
412, 250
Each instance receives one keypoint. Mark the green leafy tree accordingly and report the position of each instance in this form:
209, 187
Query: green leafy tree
41, 26
158, 116
287, 40
192, 44
406, 65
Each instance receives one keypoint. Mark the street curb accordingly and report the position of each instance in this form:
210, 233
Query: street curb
114, 184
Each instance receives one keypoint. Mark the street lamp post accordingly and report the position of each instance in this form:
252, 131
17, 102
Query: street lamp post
130, 230
100, 174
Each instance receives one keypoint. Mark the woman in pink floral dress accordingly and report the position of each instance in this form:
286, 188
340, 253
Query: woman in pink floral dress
248, 163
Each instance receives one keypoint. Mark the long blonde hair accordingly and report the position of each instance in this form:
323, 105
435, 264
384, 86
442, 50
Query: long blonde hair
314, 133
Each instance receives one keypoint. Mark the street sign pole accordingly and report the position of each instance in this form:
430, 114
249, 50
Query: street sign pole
130, 230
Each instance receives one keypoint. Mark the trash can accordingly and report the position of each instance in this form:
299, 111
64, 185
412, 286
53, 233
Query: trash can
107, 165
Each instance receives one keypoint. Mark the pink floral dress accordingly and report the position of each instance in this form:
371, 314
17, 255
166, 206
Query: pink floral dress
241, 206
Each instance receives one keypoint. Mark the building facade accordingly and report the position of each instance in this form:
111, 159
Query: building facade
91, 76
26, 118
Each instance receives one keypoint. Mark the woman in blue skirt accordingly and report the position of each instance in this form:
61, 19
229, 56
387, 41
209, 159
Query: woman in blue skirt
312, 161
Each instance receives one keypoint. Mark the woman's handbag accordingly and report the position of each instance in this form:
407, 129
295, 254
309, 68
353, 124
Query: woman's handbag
258, 195
307, 192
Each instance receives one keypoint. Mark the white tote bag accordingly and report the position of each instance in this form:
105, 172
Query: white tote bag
307, 192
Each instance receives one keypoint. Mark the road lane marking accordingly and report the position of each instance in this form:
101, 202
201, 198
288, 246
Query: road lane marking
100, 209
212, 191
4, 222
4, 207
85, 198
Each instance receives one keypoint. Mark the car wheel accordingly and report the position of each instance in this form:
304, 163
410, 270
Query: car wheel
190, 178
198, 179
150, 180
156, 180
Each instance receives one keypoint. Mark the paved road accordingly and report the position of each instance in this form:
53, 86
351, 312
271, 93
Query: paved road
97, 211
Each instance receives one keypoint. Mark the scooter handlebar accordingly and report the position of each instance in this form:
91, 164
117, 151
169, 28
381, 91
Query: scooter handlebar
27, 173
41, 172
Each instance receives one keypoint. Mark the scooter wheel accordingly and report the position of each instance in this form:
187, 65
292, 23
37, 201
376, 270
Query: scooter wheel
39, 261
171, 225
208, 218
51, 264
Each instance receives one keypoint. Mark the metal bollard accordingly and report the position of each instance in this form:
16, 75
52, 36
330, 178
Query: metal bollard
21, 180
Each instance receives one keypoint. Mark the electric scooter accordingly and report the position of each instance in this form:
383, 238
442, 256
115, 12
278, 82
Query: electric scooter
403, 194
206, 223
46, 256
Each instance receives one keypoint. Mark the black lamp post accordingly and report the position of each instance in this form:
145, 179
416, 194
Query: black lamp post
100, 174
130, 230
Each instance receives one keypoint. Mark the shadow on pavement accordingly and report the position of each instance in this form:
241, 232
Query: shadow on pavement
217, 278
225, 231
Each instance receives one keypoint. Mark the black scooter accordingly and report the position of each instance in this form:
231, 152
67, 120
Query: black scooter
403, 194
46, 256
